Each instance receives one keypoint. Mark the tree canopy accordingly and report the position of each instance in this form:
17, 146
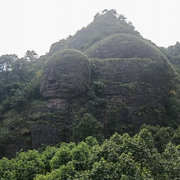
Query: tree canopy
120, 157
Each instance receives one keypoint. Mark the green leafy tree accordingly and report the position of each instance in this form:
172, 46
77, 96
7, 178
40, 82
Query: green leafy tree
61, 157
171, 160
121, 157
80, 156
6, 62
29, 164
31, 55
86, 126
176, 136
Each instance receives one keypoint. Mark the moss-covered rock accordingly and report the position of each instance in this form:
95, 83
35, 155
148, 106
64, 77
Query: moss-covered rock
104, 25
66, 74
122, 82
123, 46
135, 73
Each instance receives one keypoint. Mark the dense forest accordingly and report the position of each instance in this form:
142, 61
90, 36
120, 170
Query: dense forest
146, 155
115, 114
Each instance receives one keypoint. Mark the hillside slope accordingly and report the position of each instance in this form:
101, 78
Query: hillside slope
96, 31
95, 83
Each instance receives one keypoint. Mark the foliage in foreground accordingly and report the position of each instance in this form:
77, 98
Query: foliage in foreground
121, 157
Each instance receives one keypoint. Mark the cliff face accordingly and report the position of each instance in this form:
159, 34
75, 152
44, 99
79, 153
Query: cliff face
135, 83
138, 72
135, 73
121, 83
113, 85
129, 86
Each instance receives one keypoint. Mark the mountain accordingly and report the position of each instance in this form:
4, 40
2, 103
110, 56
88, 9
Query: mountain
105, 24
106, 78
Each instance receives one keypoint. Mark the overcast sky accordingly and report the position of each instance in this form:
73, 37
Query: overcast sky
36, 24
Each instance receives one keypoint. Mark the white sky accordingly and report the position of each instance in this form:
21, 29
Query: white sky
36, 24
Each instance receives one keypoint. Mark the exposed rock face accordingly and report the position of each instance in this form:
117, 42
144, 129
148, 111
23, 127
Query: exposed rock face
135, 73
47, 123
56, 103
45, 133
66, 74
134, 82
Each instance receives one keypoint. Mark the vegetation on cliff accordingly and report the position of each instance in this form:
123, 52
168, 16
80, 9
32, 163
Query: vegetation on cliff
123, 46
124, 82
96, 31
